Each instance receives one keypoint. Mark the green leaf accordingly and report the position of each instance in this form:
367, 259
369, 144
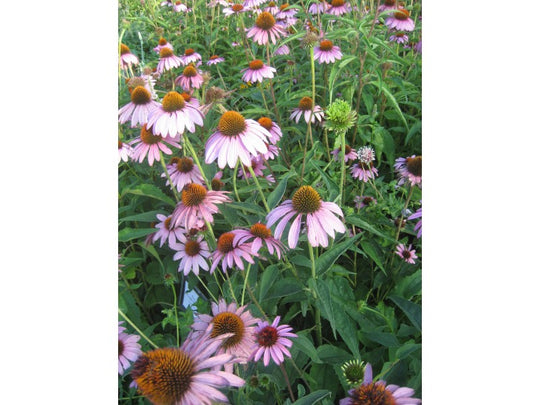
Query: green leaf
407, 349
313, 398
371, 250
304, 345
275, 196
149, 216
383, 338
355, 220
332, 354
128, 234
417, 127
284, 287
267, 280
390, 97
412, 311
328, 258
149, 190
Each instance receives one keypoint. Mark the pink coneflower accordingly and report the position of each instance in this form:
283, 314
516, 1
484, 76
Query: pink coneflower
285, 12
217, 184
257, 165
229, 253
317, 8
350, 154
162, 43
273, 152
407, 254
236, 138
127, 59
166, 231
339, 7
272, 341
387, 5
175, 376
418, 226
139, 108
253, 3
190, 78
197, 204
257, 235
327, 52
400, 20
174, 116
399, 37
167, 60
150, 144
321, 219
266, 29
180, 7
237, 323
304, 108
379, 393
190, 100
271, 8
361, 201
365, 170
192, 254
128, 349
214, 60
125, 151
282, 50
182, 171
190, 56
272, 127
409, 169
257, 72
234, 9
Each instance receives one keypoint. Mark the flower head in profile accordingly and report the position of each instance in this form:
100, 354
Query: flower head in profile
339, 7
125, 151
304, 108
418, 226
253, 3
266, 29
190, 56
364, 169
166, 231
197, 205
259, 235
148, 143
272, 341
235, 9
350, 154
127, 59
236, 138
128, 349
229, 253
409, 169
321, 219
257, 165
174, 116
408, 254
192, 253
139, 108
167, 60
214, 60
183, 171
180, 7
327, 52
318, 7
177, 376
400, 20
235, 322
162, 43
378, 393
399, 38
191, 78
272, 128
282, 50
387, 5
361, 201
257, 72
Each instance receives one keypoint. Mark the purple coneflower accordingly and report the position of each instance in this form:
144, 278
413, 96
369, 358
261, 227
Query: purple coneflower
257, 165
174, 116
282, 50
285, 12
387, 5
272, 341
234, 9
407, 254
400, 20
235, 322
167, 60
192, 254
321, 219
338, 7
361, 201
139, 108
236, 138
127, 58
350, 153
272, 127
266, 29
128, 349
327, 52
230, 253
162, 43
191, 100
304, 108
197, 204
378, 392
214, 60
175, 376
273, 152
254, 3
317, 8
150, 144
272, 8
399, 38
190, 56
166, 231
125, 151
409, 169
217, 184
418, 226
180, 7
259, 234
190, 78
365, 170
257, 72
182, 171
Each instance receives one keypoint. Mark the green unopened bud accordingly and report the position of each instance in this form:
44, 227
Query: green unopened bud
309, 40
340, 116
353, 371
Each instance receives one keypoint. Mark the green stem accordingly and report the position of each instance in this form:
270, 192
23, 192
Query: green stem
287, 381
342, 180
207, 289
175, 304
235, 174
194, 155
317, 310
137, 329
231, 287
245, 283
259, 188
162, 161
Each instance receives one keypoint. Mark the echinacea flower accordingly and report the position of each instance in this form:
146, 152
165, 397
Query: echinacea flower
139, 108
339, 7
192, 253
197, 205
174, 116
253, 3
236, 138
128, 348
409, 169
400, 20
282, 50
235, 322
127, 59
361, 201
387, 5
304, 108
321, 219
399, 38
266, 29
125, 151
258, 235
272, 341
407, 254
378, 393
163, 43
327, 52
350, 153
271, 8
180, 7
257, 165
230, 253
191, 100
176, 376
166, 231
273, 152
190, 56
190, 78
418, 226
182, 171
167, 60
285, 12
353, 371
257, 72
234, 9
365, 170
214, 60
150, 144
272, 128
217, 184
